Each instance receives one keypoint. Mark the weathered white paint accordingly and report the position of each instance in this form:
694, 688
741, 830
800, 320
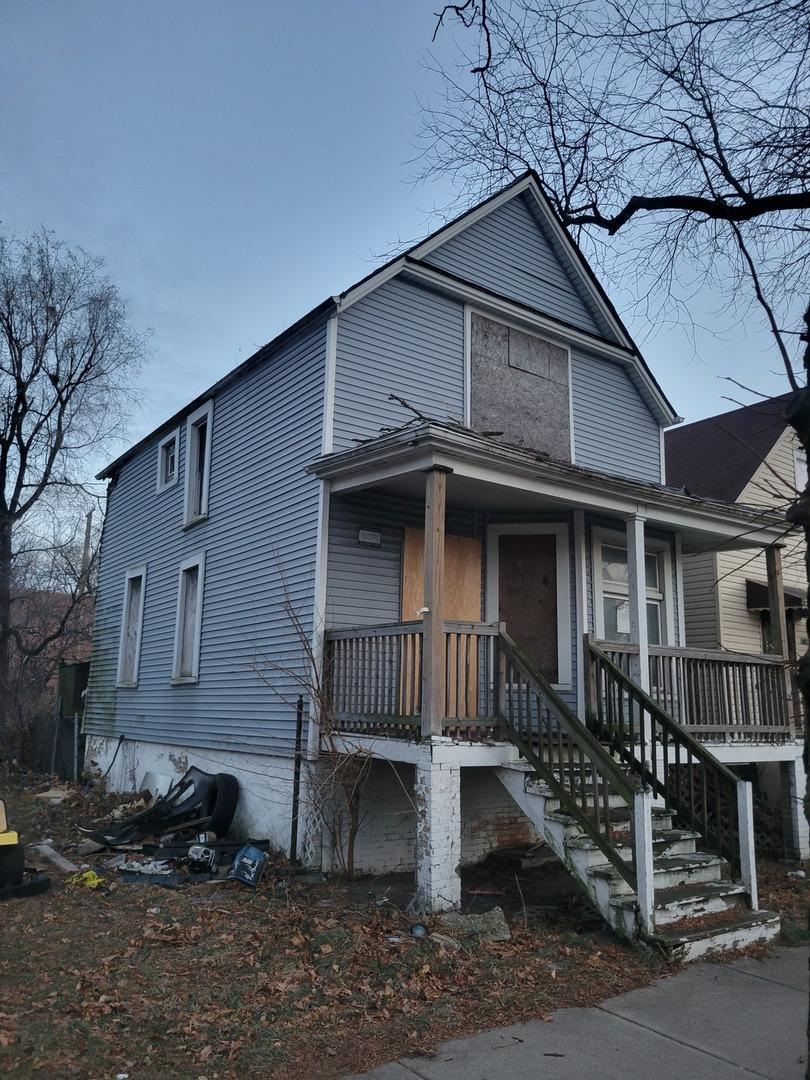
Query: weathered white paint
643, 847
637, 583
745, 822
437, 795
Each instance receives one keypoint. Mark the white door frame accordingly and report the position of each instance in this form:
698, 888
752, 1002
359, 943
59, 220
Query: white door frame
559, 529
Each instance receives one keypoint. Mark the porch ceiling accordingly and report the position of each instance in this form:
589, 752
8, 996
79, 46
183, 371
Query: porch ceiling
487, 475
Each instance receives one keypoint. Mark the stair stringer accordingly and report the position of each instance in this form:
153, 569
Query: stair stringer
532, 797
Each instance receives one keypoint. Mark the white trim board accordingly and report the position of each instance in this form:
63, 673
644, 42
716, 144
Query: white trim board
197, 560
129, 574
564, 599
205, 412
614, 538
172, 437
330, 376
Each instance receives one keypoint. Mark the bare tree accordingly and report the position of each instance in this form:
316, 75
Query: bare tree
672, 139
67, 358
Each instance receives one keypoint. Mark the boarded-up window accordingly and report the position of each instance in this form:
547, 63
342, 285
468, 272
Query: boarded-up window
132, 622
189, 615
519, 386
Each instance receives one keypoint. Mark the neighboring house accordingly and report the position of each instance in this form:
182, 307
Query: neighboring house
442, 487
749, 456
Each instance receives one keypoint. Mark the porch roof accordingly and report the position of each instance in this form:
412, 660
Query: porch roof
490, 474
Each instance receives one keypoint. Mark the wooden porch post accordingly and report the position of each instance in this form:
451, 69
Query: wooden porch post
433, 646
776, 609
637, 584
776, 601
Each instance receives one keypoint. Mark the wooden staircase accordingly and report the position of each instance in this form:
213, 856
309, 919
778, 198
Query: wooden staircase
661, 842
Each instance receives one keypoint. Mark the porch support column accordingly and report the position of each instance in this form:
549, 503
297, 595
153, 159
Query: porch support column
437, 794
776, 609
793, 794
776, 601
637, 583
433, 659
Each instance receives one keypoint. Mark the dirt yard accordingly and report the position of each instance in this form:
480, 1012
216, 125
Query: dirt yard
291, 980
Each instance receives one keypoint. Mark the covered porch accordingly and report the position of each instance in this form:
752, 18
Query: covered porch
459, 541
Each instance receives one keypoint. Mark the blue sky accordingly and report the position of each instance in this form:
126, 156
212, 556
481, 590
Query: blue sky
235, 163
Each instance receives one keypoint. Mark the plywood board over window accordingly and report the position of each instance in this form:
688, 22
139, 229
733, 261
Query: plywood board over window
462, 603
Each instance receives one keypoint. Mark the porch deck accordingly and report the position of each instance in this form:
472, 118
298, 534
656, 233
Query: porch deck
373, 678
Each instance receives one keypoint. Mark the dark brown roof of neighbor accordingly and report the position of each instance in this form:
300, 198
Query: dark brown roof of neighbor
715, 458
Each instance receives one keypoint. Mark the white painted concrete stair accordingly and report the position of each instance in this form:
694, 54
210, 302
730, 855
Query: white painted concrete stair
698, 909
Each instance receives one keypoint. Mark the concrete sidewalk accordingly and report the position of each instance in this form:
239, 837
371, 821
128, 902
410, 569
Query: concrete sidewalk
709, 1022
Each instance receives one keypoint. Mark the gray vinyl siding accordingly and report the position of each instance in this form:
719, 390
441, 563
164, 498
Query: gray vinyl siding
400, 339
259, 543
700, 601
507, 253
614, 430
363, 583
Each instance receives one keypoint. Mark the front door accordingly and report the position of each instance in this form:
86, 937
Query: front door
527, 596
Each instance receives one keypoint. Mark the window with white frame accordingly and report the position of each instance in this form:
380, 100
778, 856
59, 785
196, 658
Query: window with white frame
612, 590
129, 651
198, 463
800, 469
168, 460
186, 664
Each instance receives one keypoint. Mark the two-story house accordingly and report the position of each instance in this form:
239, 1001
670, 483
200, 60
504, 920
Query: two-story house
440, 496
750, 456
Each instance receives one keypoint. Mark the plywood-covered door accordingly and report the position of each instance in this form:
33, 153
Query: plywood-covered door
462, 603
527, 596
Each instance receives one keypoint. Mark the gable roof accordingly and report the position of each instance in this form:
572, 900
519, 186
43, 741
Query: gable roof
715, 458
412, 259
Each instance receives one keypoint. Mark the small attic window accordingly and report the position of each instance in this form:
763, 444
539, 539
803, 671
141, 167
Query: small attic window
168, 460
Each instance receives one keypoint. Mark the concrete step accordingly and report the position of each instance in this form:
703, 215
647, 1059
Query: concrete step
665, 842
751, 928
669, 871
681, 902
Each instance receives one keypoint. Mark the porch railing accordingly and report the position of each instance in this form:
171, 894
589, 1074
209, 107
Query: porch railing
700, 789
374, 678
717, 695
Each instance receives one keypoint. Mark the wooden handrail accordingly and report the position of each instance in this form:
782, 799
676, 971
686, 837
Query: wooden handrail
636, 727
723, 655
584, 776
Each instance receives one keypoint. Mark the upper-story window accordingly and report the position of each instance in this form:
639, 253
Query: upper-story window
800, 468
129, 649
188, 624
198, 463
168, 460
612, 591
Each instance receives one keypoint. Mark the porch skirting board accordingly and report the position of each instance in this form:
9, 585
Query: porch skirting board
485, 819
264, 810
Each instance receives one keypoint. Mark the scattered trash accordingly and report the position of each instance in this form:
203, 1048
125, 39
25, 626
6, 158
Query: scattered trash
88, 847
798, 875
197, 800
86, 879
445, 941
153, 911
480, 890
202, 858
489, 926
145, 866
394, 939
16, 879
54, 795
248, 866
52, 856
418, 930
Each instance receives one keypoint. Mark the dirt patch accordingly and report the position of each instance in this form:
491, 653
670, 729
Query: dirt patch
790, 896
291, 980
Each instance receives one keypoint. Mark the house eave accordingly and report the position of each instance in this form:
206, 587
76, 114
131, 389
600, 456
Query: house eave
422, 446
